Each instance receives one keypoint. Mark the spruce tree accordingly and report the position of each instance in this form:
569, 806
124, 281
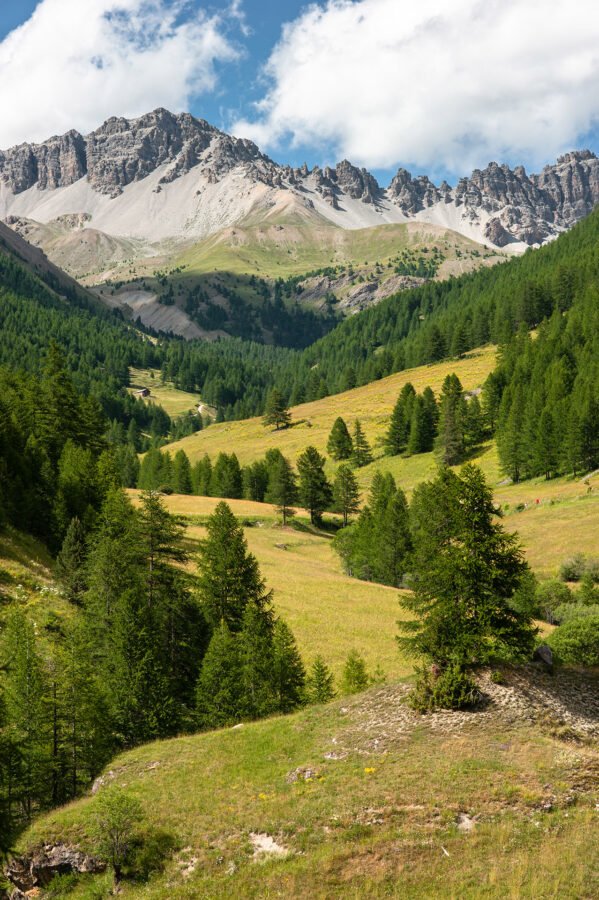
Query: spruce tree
314, 489
340, 444
346, 494
256, 654
288, 674
362, 454
466, 572
276, 411
320, 682
182, 473
26, 697
510, 440
397, 435
201, 477
282, 488
451, 441
219, 695
229, 578
70, 562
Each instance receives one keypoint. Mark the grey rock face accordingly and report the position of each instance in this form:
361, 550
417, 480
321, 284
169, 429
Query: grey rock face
512, 205
525, 208
122, 151
38, 870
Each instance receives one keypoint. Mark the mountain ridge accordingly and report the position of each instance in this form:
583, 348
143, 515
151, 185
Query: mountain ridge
497, 204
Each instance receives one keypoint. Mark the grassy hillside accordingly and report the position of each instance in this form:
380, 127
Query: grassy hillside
312, 422
292, 247
565, 520
173, 401
363, 798
328, 612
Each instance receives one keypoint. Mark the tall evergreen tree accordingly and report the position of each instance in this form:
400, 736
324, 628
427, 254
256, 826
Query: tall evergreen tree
346, 494
288, 674
451, 441
340, 444
276, 411
229, 578
282, 488
70, 562
398, 432
362, 454
219, 696
314, 489
466, 571
182, 473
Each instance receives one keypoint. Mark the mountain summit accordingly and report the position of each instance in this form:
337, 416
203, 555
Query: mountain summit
174, 177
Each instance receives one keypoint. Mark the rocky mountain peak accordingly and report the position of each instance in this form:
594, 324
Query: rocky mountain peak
122, 151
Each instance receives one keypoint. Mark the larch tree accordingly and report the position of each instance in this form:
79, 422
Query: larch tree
276, 411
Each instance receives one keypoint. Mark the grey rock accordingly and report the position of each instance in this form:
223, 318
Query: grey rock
38, 870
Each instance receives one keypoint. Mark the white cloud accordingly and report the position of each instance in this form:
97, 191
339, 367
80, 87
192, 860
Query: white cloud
439, 83
74, 63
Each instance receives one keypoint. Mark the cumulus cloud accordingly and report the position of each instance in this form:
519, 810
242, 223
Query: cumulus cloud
74, 63
434, 83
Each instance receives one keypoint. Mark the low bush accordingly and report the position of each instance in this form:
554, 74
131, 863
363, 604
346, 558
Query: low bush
450, 688
551, 596
577, 642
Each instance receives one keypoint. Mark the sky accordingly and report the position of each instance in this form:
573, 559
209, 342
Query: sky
437, 86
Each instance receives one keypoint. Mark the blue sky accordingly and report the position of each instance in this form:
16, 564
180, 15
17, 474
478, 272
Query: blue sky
439, 86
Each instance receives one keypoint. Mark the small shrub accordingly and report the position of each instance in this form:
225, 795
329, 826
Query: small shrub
355, 677
573, 569
577, 642
551, 596
497, 676
451, 688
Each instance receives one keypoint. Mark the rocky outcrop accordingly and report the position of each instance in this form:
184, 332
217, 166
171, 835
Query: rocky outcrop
26, 873
497, 204
122, 151
527, 208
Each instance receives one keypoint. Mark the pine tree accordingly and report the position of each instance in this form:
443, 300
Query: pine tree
161, 544
256, 653
226, 480
282, 488
201, 476
219, 695
451, 442
289, 675
25, 698
346, 494
255, 481
276, 411
466, 571
362, 454
474, 423
320, 682
340, 444
70, 562
314, 489
417, 436
396, 438
182, 473
510, 440
229, 577
355, 677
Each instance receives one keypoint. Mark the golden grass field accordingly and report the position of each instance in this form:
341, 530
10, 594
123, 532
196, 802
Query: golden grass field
312, 422
328, 612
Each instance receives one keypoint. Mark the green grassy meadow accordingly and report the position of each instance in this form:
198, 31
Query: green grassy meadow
375, 816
